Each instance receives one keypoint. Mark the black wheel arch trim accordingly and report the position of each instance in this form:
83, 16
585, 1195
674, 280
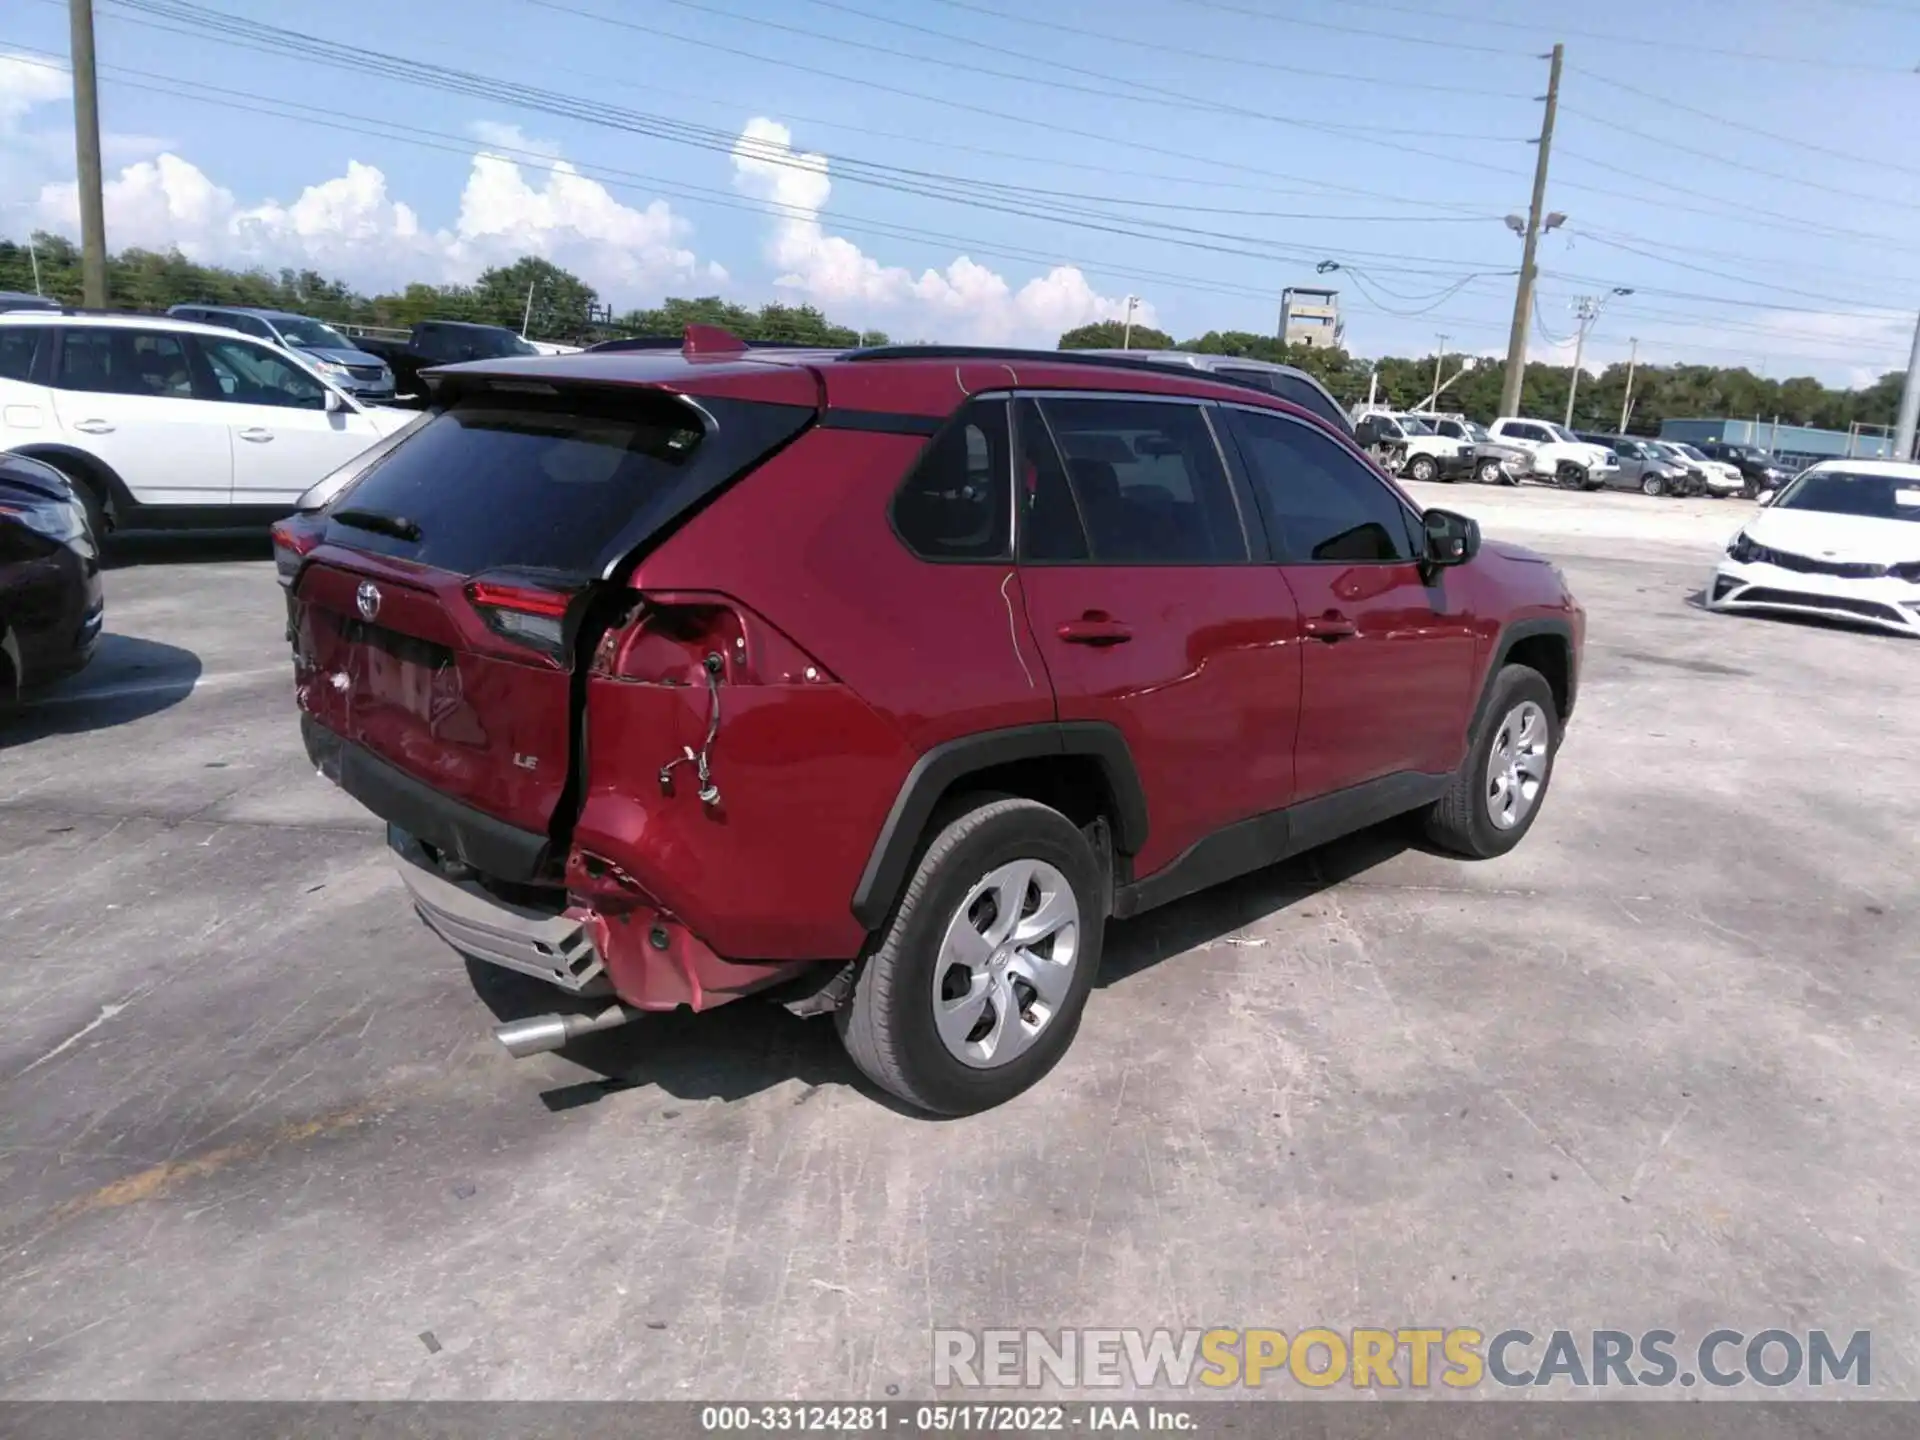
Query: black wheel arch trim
1511, 634
936, 771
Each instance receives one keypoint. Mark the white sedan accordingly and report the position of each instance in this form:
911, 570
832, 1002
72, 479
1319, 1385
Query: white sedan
1841, 539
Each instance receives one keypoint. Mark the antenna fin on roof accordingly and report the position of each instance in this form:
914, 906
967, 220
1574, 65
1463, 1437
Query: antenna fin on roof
711, 340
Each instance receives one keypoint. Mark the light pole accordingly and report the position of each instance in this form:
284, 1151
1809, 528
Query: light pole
1438, 360
1590, 307
1626, 401
1126, 335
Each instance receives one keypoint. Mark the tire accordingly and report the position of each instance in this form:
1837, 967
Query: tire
1570, 477
889, 1026
1652, 485
1464, 819
88, 489
1490, 473
1422, 468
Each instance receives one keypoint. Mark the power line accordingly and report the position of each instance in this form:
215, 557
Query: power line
1034, 203
1115, 87
1745, 166
1614, 37
1738, 209
1370, 34
1799, 290
1162, 48
1776, 136
465, 146
1877, 278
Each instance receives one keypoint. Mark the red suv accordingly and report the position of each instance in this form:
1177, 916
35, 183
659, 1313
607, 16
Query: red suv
886, 677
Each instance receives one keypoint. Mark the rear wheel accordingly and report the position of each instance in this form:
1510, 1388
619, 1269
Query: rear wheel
979, 980
1495, 796
91, 495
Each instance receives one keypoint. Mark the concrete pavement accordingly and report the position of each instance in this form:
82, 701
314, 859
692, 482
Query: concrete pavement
1656, 1068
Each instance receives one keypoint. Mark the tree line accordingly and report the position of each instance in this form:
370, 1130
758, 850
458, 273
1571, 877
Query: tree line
1660, 392
551, 303
554, 304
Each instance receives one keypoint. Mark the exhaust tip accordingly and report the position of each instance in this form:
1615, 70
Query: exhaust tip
535, 1036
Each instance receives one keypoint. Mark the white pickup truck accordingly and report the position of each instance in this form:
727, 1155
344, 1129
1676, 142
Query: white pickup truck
1560, 457
1408, 445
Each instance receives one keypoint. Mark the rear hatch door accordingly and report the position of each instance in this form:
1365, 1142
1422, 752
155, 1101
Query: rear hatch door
440, 618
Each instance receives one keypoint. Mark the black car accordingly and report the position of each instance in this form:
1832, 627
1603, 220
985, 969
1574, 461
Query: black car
50, 601
1756, 466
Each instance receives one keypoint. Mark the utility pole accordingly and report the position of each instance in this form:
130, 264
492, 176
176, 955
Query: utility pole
1626, 401
1523, 293
1437, 361
526, 319
33, 255
1589, 308
86, 148
1909, 404
1126, 335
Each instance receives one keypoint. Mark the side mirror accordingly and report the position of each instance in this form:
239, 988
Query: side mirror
1451, 539
1767, 497
336, 402
1367, 432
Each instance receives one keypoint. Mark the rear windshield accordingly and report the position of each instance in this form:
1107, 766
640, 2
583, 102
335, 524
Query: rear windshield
563, 484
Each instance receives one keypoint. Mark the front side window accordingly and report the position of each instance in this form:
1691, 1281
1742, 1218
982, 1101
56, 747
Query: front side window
955, 504
1147, 482
1051, 526
125, 362
253, 375
1322, 504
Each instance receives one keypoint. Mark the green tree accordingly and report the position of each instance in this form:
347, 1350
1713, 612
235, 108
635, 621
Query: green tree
1109, 335
552, 303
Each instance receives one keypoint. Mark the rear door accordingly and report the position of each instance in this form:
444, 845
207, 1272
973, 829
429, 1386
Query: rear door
1143, 571
440, 618
1388, 658
284, 438
128, 396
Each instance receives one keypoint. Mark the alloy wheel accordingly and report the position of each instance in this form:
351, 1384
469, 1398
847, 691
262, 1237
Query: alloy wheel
1517, 765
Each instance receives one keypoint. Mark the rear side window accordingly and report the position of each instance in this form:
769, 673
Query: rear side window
17, 346
1322, 504
567, 485
1147, 481
125, 362
1309, 398
956, 502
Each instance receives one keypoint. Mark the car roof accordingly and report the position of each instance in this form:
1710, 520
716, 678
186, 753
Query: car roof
83, 321
899, 379
1898, 469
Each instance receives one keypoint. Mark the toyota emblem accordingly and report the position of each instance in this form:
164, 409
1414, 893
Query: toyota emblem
367, 598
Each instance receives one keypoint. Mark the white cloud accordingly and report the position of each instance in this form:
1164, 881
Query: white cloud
352, 226
966, 300
511, 140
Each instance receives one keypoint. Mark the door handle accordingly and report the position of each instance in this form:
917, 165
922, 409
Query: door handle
1329, 627
94, 427
1094, 628
256, 435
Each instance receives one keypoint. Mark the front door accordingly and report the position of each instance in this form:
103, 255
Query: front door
1388, 657
127, 396
1147, 596
285, 440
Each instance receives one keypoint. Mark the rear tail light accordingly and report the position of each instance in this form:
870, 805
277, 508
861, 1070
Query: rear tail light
529, 615
293, 540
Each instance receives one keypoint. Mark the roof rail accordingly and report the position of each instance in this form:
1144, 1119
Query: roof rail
1045, 357
711, 334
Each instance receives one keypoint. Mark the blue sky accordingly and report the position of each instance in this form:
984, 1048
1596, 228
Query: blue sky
1199, 154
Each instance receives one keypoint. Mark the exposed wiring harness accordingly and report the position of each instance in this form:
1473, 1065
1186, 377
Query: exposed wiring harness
700, 760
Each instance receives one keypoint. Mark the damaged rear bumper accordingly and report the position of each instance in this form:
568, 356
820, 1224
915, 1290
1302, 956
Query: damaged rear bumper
635, 954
